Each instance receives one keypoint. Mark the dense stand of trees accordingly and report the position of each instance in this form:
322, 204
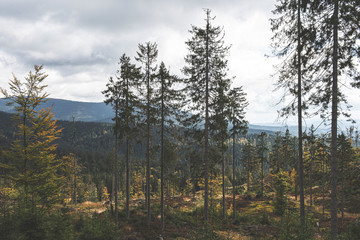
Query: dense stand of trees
183, 131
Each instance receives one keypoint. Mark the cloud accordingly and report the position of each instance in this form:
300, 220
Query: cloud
80, 42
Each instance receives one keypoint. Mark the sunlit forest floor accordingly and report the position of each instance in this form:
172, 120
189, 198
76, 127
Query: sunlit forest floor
255, 219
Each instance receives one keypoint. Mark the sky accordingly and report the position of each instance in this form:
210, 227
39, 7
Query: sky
80, 42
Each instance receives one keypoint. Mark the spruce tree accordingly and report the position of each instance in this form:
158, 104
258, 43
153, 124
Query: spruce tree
147, 55
236, 111
112, 97
206, 59
261, 151
36, 170
128, 79
336, 52
292, 34
168, 99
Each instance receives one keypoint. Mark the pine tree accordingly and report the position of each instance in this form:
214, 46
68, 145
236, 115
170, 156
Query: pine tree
147, 55
35, 167
205, 61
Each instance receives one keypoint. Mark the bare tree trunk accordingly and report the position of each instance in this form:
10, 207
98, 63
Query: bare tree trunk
301, 172
206, 154
323, 179
334, 116
223, 183
162, 164
233, 182
116, 168
311, 197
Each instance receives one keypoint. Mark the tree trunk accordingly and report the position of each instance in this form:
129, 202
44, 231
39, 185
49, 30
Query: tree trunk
162, 162
311, 197
299, 95
223, 183
148, 152
233, 182
334, 115
323, 179
206, 153
116, 168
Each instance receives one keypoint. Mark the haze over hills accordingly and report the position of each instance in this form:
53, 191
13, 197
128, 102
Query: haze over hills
66, 109
100, 112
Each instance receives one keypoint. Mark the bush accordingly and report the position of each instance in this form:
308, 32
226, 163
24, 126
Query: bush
351, 231
290, 227
97, 228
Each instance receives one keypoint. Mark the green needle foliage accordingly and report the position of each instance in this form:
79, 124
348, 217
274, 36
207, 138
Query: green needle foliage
34, 167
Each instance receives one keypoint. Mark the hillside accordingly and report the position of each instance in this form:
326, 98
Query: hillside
66, 109
99, 112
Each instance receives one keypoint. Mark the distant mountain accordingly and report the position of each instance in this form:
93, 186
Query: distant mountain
100, 112
66, 109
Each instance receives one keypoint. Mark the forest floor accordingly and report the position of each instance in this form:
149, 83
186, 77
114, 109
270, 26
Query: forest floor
255, 219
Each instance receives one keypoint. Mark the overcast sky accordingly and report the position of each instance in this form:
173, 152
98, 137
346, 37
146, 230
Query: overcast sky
79, 43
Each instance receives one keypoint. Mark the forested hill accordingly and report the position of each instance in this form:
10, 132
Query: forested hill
66, 109
101, 113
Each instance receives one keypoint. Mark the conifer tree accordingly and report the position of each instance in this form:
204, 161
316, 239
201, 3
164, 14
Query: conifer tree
128, 78
219, 126
147, 55
112, 95
261, 151
336, 52
292, 34
169, 101
35, 167
236, 111
205, 61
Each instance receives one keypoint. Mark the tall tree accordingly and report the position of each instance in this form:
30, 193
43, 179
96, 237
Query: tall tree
128, 78
336, 53
112, 97
236, 111
291, 37
147, 55
205, 61
36, 168
219, 126
169, 101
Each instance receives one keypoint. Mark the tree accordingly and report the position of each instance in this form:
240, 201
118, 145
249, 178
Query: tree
112, 97
147, 55
311, 148
261, 151
35, 167
128, 80
236, 111
291, 43
168, 99
219, 125
345, 155
335, 53
205, 62
249, 160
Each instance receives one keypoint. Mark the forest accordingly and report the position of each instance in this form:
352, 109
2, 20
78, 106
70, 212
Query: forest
178, 161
